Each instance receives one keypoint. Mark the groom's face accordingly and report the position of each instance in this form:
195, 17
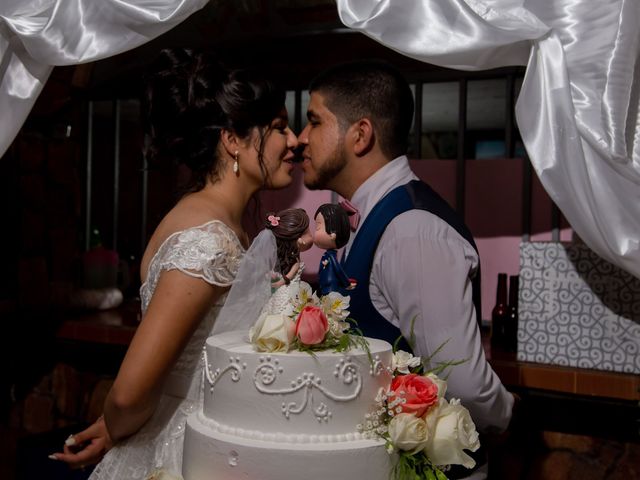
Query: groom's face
323, 154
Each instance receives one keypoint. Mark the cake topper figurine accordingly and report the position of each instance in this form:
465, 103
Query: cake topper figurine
332, 232
290, 227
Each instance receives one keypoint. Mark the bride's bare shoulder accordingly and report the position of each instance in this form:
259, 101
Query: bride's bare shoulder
188, 213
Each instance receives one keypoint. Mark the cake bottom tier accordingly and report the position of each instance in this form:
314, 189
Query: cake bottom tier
213, 455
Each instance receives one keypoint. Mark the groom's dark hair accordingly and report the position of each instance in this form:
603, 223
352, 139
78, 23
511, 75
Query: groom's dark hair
371, 89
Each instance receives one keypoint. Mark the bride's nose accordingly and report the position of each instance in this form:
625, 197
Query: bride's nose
292, 140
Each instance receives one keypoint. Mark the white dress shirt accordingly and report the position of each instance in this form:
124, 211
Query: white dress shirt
423, 268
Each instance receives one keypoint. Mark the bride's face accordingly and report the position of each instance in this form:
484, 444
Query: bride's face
305, 242
278, 142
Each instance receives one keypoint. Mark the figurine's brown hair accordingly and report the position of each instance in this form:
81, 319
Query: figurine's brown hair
291, 224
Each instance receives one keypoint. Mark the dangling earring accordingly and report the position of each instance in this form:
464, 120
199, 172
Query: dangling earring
236, 167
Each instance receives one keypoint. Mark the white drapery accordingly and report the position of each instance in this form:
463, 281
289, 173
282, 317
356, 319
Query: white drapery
36, 35
578, 110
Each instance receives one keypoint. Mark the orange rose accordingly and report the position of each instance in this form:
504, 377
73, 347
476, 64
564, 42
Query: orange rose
419, 392
311, 326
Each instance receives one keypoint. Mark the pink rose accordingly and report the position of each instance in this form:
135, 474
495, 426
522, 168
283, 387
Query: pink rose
312, 325
419, 392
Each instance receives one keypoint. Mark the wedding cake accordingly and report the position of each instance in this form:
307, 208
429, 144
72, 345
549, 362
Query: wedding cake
273, 416
302, 395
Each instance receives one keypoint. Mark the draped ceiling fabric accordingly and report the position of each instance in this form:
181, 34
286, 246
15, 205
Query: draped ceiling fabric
578, 110
36, 35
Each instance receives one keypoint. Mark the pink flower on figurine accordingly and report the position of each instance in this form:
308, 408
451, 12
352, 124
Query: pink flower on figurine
312, 325
273, 220
419, 393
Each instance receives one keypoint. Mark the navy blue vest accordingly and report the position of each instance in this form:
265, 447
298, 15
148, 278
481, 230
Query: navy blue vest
413, 195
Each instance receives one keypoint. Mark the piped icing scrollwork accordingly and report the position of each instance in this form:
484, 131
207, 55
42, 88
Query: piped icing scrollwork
212, 376
346, 371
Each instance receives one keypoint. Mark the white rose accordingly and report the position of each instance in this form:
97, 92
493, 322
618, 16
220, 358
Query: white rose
402, 361
272, 333
442, 384
408, 432
453, 432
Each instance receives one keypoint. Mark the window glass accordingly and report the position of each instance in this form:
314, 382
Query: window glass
439, 116
486, 117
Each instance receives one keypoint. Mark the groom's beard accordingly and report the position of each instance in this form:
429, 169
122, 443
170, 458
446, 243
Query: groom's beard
329, 170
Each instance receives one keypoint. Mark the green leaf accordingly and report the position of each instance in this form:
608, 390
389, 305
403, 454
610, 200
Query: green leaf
440, 475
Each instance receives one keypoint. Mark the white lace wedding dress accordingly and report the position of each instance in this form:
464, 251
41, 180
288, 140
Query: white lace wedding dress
280, 298
212, 252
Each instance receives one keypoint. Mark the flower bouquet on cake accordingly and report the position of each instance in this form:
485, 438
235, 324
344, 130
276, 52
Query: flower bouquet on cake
428, 432
308, 322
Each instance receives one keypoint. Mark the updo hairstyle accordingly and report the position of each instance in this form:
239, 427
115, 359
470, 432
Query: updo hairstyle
291, 225
191, 97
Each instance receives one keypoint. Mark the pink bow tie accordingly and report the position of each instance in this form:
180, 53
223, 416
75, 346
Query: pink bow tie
352, 211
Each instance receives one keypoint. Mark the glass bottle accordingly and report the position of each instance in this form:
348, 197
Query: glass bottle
511, 324
499, 314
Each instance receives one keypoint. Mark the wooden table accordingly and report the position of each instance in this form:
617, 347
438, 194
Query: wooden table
560, 398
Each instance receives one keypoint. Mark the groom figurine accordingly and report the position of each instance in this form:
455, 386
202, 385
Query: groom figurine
331, 233
414, 261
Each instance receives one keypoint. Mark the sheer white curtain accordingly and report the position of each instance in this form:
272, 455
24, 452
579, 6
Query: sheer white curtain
578, 110
36, 35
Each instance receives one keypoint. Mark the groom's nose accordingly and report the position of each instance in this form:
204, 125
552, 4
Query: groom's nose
303, 138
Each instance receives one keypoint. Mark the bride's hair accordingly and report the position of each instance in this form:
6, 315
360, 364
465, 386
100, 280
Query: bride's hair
191, 97
287, 226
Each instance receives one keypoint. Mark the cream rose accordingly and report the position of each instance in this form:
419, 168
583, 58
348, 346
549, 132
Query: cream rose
402, 361
442, 384
453, 432
272, 333
408, 432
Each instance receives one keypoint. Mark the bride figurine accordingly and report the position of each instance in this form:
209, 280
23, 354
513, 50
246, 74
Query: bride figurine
290, 228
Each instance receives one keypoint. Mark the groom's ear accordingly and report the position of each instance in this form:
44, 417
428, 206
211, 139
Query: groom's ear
363, 136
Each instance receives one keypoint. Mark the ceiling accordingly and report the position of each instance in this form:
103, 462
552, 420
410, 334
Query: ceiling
293, 39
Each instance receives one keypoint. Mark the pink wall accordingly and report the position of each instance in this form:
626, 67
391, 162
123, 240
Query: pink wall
493, 212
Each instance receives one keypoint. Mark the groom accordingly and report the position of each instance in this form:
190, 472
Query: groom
415, 263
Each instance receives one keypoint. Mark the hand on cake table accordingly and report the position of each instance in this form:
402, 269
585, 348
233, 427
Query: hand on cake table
87, 447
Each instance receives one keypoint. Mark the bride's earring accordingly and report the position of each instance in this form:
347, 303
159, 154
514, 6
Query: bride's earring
236, 167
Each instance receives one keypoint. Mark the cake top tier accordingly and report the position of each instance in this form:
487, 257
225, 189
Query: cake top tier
294, 392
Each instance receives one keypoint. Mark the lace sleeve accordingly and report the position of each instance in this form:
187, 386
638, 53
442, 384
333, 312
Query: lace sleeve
211, 252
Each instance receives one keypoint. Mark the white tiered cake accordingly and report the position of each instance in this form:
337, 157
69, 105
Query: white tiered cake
274, 416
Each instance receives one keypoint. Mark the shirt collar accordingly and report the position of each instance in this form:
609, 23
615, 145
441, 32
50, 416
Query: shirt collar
395, 173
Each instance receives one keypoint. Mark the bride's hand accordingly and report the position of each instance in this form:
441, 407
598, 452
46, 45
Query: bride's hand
87, 447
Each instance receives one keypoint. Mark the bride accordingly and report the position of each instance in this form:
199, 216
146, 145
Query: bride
230, 128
